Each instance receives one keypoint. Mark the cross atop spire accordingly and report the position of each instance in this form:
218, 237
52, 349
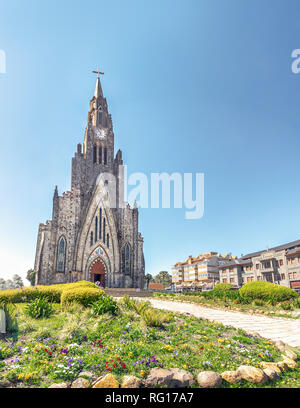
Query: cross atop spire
98, 89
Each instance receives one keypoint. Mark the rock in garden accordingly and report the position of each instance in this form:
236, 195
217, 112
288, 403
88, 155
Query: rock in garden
106, 381
181, 378
291, 363
291, 354
231, 376
130, 381
271, 373
158, 376
272, 366
209, 379
253, 374
59, 385
80, 383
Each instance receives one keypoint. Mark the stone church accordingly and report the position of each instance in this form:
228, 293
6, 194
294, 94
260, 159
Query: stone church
92, 235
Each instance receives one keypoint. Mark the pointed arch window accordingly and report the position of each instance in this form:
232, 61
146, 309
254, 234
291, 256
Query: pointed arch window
100, 222
61, 255
96, 229
100, 155
92, 238
95, 154
104, 225
127, 259
107, 240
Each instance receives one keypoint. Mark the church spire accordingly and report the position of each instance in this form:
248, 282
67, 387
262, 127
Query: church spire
98, 89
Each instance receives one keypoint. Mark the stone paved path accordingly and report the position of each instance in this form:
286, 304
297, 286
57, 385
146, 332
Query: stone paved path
274, 328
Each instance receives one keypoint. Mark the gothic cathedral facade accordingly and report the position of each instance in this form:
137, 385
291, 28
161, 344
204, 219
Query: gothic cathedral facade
92, 237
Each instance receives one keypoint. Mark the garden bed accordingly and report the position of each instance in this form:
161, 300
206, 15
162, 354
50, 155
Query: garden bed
41, 352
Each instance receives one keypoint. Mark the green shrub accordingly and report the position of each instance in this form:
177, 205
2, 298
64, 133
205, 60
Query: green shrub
137, 305
222, 287
106, 304
39, 308
82, 295
258, 302
267, 291
52, 293
296, 302
152, 317
286, 306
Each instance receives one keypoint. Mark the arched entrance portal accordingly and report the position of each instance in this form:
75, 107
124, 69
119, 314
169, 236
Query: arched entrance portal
98, 273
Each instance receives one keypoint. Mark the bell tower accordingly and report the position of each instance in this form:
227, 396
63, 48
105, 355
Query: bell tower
98, 146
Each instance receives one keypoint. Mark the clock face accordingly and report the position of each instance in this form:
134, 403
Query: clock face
100, 134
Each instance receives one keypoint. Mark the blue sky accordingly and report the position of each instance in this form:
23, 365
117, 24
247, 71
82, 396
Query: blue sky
192, 86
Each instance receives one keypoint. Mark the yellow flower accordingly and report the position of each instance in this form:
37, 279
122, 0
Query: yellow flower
185, 367
143, 372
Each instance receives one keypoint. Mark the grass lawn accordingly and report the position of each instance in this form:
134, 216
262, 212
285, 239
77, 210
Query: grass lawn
43, 351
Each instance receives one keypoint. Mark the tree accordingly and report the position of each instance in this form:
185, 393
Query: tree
2, 283
9, 284
17, 281
164, 278
31, 276
148, 279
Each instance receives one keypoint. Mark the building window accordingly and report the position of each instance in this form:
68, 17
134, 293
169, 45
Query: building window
104, 225
61, 255
105, 155
96, 229
127, 259
92, 239
259, 278
282, 276
293, 275
107, 240
100, 155
280, 262
257, 266
100, 222
224, 280
95, 154
231, 280
231, 270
